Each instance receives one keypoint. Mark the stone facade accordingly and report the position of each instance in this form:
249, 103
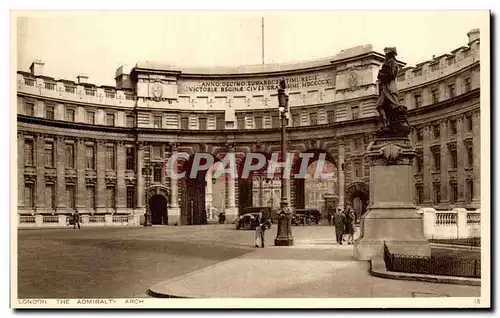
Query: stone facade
157, 110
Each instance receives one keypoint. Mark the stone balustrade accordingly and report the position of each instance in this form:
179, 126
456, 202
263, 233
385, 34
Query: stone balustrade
457, 223
63, 220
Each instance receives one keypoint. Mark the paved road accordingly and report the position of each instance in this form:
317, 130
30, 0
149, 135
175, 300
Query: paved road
124, 262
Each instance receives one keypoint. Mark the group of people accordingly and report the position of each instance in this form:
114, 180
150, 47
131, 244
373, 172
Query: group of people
344, 222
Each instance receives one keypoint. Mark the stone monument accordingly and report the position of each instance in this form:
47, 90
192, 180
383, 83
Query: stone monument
391, 217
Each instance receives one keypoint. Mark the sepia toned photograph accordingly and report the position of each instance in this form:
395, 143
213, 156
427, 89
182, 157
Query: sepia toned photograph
298, 159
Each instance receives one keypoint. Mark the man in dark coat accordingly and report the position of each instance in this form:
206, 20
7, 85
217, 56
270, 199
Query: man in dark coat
339, 221
76, 217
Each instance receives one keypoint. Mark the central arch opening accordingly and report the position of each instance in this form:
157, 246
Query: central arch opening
158, 206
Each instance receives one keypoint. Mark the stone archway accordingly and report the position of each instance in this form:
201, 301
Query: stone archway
158, 205
357, 195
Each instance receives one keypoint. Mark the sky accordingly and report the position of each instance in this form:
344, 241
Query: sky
97, 43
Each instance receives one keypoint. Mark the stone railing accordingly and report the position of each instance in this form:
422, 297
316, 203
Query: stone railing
64, 220
457, 223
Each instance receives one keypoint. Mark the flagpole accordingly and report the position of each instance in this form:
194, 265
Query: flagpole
262, 40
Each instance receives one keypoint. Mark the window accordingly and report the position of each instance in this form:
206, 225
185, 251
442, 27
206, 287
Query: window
49, 112
70, 155
70, 89
28, 152
417, 72
258, 122
110, 157
420, 193
193, 122
49, 154
451, 90
157, 121
110, 94
435, 95
129, 96
157, 153
50, 85
470, 190
50, 196
184, 123
249, 122
420, 134
357, 169
451, 60
453, 127
418, 101
91, 197
129, 162
355, 112
130, 197
203, 123
436, 131
29, 200
313, 119
435, 67
156, 174
267, 122
29, 109
437, 161
331, 116
401, 78
453, 158
110, 196
70, 196
295, 120
357, 143
437, 193
129, 121
90, 92
467, 84
70, 114
90, 154
110, 119
468, 120
275, 121
470, 157
211, 122
90, 118
419, 163
29, 81
454, 192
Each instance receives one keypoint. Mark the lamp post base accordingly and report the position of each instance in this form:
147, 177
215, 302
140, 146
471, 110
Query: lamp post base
283, 241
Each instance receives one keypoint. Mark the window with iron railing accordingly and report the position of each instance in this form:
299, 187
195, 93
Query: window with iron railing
49, 154
90, 92
49, 85
29, 81
110, 94
70, 89
129, 96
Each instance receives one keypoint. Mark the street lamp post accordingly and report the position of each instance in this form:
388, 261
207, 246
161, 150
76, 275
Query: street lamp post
284, 235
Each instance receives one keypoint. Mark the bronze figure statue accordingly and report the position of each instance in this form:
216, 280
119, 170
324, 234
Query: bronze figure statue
393, 115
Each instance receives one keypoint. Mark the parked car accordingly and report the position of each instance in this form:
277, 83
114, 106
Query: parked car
306, 216
247, 221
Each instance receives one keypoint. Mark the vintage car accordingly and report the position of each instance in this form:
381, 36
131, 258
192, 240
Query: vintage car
247, 221
306, 216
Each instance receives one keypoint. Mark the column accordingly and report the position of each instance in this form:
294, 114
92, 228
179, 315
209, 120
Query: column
101, 181
476, 149
81, 187
39, 151
121, 190
341, 172
208, 193
20, 170
139, 183
60, 160
445, 162
461, 157
231, 210
427, 164
174, 212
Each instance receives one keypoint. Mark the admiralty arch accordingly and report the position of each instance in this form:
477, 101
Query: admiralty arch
83, 147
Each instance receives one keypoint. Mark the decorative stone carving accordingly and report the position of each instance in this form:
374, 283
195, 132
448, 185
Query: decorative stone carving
391, 151
452, 145
174, 146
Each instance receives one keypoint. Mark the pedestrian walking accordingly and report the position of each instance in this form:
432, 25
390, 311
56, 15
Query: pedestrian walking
339, 221
260, 230
76, 219
349, 230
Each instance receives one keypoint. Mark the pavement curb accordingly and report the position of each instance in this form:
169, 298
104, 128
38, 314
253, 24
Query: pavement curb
377, 269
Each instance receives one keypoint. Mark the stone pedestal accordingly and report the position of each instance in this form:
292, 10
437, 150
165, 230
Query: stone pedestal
174, 216
284, 235
391, 217
231, 214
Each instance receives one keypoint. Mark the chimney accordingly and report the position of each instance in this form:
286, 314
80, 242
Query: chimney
473, 35
36, 68
122, 78
82, 79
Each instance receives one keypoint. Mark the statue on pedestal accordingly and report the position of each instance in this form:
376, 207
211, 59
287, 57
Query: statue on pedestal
393, 115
